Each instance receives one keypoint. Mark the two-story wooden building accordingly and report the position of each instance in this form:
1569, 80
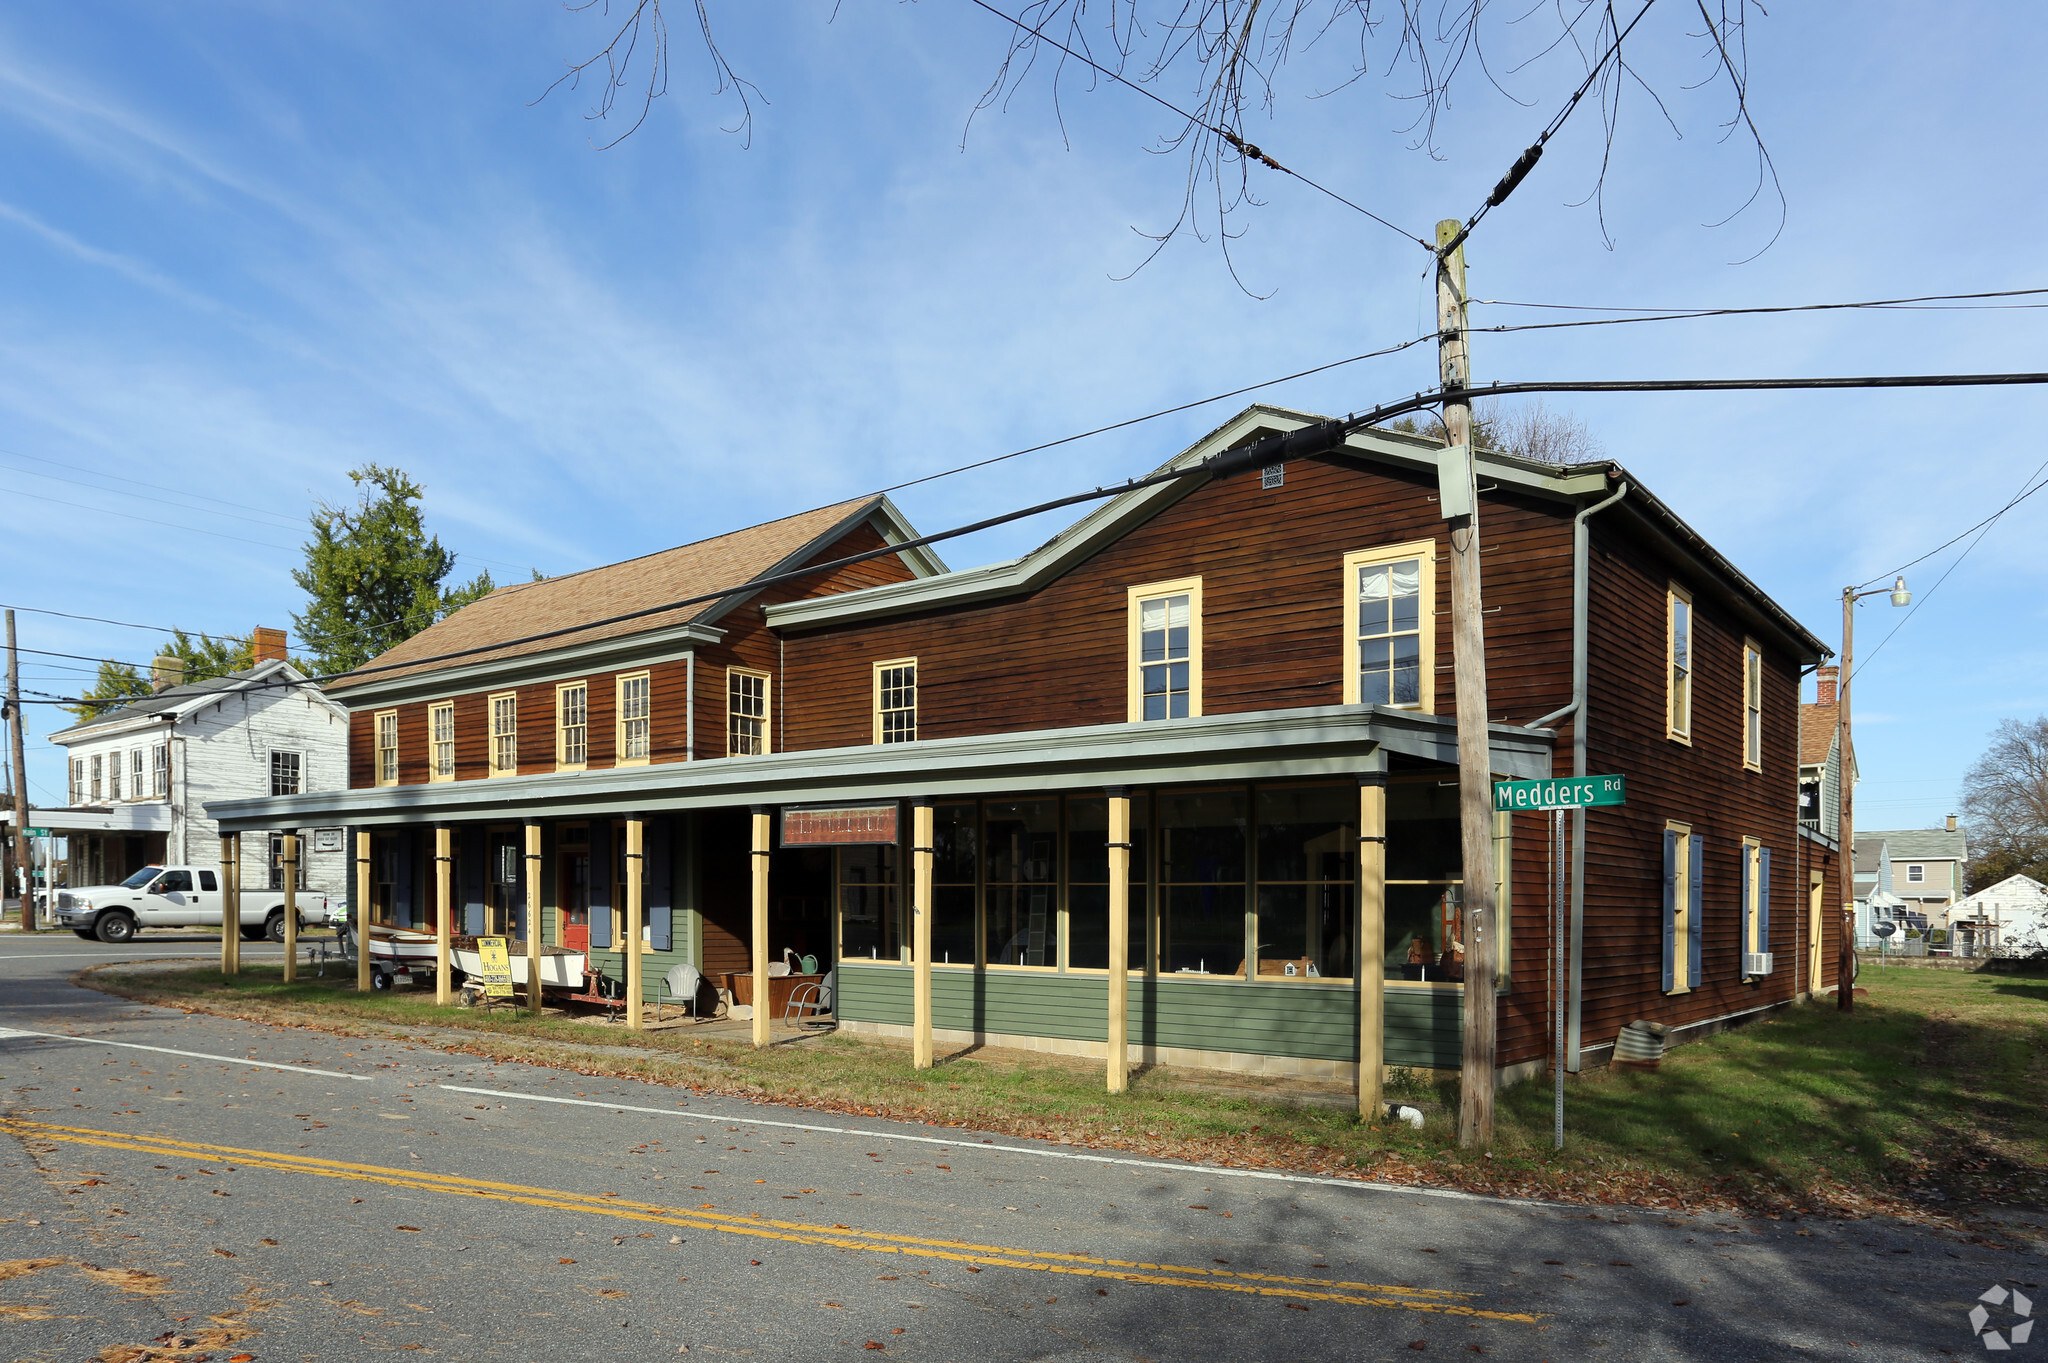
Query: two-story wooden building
1195, 701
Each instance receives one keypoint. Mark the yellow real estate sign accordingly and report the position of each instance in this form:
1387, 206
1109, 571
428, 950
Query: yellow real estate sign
497, 967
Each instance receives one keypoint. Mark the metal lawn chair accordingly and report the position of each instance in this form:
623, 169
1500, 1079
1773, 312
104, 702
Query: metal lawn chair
813, 997
682, 983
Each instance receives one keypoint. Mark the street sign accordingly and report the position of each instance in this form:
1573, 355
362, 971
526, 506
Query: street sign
496, 967
39, 832
1562, 792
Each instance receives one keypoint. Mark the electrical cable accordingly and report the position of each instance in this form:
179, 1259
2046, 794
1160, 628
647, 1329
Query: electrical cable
2028, 492
1802, 307
1244, 148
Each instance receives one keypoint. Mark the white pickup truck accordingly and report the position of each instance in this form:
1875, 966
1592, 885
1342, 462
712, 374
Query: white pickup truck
175, 897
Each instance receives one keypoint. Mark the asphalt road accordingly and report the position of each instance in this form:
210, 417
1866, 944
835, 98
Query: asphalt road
291, 1194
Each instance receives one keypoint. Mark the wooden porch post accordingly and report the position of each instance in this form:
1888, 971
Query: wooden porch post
533, 930
636, 911
444, 917
363, 910
230, 904
1372, 943
762, 851
291, 906
1119, 1077
921, 852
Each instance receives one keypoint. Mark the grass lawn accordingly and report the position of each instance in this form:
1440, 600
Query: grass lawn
1930, 1095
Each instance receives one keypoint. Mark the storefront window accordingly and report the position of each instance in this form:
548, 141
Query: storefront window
1021, 848
1426, 928
504, 893
955, 845
1088, 883
1307, 842
1201, 882
868, 922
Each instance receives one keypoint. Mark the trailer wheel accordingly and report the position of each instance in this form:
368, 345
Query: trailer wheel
379, 979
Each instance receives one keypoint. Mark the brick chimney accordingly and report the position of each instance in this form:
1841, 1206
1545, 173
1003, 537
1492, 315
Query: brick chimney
1951, 823
1825, 681
266, 645
165, 671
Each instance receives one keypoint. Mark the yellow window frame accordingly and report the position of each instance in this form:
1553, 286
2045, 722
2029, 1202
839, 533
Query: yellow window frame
767, 716
563, 692
1347, 596
621, 719
1681, 910
1752, 705
1678, 692
435, 713
509, 735
1134, 671
385, 769
875, 696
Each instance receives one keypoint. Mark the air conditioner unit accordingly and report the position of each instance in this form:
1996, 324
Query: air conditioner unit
1756, 962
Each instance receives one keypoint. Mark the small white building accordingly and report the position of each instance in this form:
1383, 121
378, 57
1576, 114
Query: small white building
2009, 918
139, 776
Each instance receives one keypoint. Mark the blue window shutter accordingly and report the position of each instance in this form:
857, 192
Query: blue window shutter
601, 856
1697, 907
659, 899
474, 850
1748, 908
519, 886
401, 893
1763, 901
1670, 910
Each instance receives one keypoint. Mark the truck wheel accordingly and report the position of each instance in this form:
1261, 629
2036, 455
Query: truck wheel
115, 927
273, 926
86, 933
254, 934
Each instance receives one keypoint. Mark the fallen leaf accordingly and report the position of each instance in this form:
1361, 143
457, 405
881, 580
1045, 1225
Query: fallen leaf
1619, 1263
874, 1344
1294, 1306
266, 1240
225, 1253
414, 1229
565, 1261
1418, 1344
1429, 1251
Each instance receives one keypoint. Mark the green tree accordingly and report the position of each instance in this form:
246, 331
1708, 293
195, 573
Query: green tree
206, 657
373, 574
115, 683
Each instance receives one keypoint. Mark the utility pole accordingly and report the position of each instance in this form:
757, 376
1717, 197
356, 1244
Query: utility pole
1459, 492
20, 767
1845, 748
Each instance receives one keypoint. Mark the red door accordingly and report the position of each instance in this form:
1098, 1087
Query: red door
575, 898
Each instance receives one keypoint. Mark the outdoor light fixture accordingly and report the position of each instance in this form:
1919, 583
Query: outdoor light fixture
1900, 596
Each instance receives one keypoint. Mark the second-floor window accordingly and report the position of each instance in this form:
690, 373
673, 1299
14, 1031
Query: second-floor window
635, 717
284, 774
1916, 874
114, 776
1678, 663
1389, 600
138, 783
505, 734
572, 725
746, 712
896, 701
160, 770
387, 747
77, 789
1165, 646
441, 736
1752, 706
98, 766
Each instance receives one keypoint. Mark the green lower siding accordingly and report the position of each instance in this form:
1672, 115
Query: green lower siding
1316, 1022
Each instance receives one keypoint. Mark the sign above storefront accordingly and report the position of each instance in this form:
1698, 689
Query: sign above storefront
839, 825
1563, 792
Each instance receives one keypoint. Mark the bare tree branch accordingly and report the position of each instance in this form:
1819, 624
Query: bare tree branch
640, 44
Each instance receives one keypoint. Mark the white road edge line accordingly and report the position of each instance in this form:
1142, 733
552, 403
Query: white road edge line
6, 1032
974, 1145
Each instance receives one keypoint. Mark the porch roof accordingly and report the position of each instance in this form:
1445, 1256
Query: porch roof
1326, 741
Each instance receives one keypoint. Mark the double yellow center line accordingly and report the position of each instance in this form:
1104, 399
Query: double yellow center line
708, 1218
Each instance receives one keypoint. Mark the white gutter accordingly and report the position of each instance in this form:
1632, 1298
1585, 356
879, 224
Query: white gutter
1581, 543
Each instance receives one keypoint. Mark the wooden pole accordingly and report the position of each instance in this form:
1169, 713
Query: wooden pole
290, 846
19, 763
533, 929
1845, 946
921, 853
1468, 655
762, 853
444, 916
636, 913
1372, 944
1119, 940
230, 906
363, 910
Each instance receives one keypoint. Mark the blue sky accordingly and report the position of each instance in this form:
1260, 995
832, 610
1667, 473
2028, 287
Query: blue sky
246, 246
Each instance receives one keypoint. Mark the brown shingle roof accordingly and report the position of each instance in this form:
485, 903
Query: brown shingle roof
526, 608
1816, 733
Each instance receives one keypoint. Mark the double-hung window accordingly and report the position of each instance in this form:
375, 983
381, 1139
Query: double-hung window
896, 701
1678, 664
284, 775
1752, 705
746, 712
98, 766
77, 789
1165, 649
138, 786
1390, 626
505, 733
1684, 935
635, 710
387, 747
160, 770
572, 726
441, 741
114, 776
1756, 907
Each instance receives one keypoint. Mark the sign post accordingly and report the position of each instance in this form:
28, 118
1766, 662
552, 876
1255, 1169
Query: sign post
1558, 795
494, 967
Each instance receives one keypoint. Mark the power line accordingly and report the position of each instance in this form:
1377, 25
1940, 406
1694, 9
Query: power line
156, 521
101, 620
158, 487
1802, 307
1244, 148
1683, 315
2028, 492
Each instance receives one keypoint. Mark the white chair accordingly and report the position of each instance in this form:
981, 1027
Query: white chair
812, 997
682, 984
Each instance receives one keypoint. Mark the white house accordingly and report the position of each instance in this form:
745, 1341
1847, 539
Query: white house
139, 776
2010, 918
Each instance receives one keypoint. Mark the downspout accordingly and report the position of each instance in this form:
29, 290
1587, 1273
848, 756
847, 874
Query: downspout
689, 706
1581, 544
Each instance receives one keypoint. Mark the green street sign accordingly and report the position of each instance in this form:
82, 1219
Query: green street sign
39, 832
1563, 792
